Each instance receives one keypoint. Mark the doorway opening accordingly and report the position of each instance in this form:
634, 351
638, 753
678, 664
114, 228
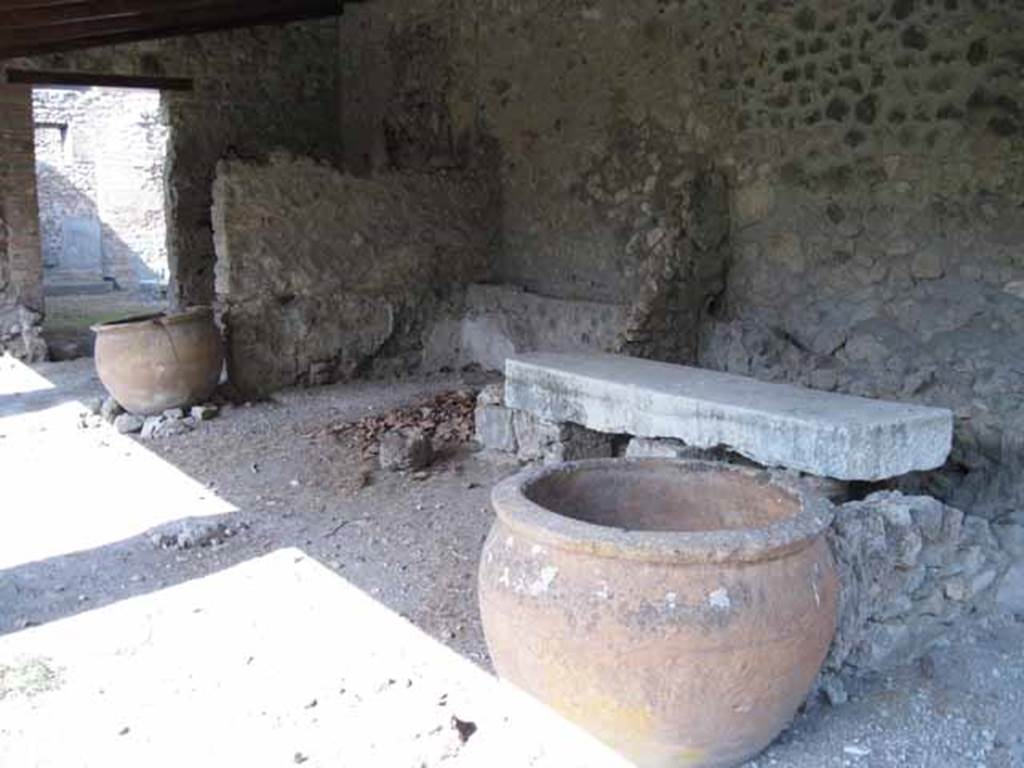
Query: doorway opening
101, 155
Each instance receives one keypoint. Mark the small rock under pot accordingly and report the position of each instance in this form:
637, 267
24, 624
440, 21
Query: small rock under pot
129, 423
110, 410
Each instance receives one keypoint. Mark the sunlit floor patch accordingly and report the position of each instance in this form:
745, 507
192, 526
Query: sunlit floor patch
16, 378
275, 662
69, 486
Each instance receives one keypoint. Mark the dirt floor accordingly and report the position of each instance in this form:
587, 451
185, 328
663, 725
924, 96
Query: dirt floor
317, 554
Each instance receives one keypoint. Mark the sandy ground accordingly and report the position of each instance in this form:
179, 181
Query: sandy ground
336, 623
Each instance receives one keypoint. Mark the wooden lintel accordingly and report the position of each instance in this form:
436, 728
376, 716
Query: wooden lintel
56, 79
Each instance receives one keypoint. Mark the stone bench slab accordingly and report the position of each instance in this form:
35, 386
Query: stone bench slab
821, 433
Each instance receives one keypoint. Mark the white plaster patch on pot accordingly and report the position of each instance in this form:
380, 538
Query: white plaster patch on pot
543, 583
505, 579
670, 599
536, 550
510, 542
720, 599
603, 593
815, 578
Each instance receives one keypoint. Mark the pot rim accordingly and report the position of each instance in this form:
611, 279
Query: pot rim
159, 318
746, 545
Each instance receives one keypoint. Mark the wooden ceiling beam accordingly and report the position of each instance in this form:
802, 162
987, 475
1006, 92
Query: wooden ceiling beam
43, 27
77, 11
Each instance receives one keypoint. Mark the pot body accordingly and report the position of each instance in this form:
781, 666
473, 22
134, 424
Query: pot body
671, 663
165, 361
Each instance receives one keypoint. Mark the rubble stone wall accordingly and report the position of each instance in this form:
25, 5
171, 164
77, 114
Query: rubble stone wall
909, 566
827, 193
320, 271
587, 115
878, 220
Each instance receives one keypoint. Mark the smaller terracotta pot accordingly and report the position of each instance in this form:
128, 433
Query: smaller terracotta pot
149, 364
679, 610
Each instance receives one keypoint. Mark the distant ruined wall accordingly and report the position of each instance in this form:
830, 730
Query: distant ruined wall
318, 272
100, 155
851, 177
256, 90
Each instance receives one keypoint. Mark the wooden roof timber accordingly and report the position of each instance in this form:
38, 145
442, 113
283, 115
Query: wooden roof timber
30, 27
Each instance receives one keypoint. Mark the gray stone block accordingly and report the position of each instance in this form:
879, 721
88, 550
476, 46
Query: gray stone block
669, 448
495, 430
405, 450
551, 442
129, 423
535, 436
825, 434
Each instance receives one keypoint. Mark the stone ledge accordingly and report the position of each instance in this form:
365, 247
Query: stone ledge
825, 434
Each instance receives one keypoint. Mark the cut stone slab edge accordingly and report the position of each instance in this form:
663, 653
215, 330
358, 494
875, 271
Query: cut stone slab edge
896, 439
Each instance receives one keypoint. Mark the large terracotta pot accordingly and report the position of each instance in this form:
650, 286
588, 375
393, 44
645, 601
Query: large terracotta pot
150, 364
679, 610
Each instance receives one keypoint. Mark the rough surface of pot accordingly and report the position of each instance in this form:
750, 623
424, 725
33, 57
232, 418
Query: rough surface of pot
679, 610
150, 364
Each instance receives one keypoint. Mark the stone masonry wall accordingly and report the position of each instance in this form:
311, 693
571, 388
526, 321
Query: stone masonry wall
909, 566
586, 114
878, 217
256, 89
869, 154
21, 268
100, 155
320, 271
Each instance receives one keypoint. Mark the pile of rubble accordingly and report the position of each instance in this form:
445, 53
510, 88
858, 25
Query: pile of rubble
174, 421
408, 437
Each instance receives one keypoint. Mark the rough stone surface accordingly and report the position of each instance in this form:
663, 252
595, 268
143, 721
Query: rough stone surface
541, 440
668, 448
309, 303
192, 534
499, 321
908, 566
1010, 596
204, 412
156, 427
815, 432
495, 429
493, 422
110, 410
402, 450
129, 423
